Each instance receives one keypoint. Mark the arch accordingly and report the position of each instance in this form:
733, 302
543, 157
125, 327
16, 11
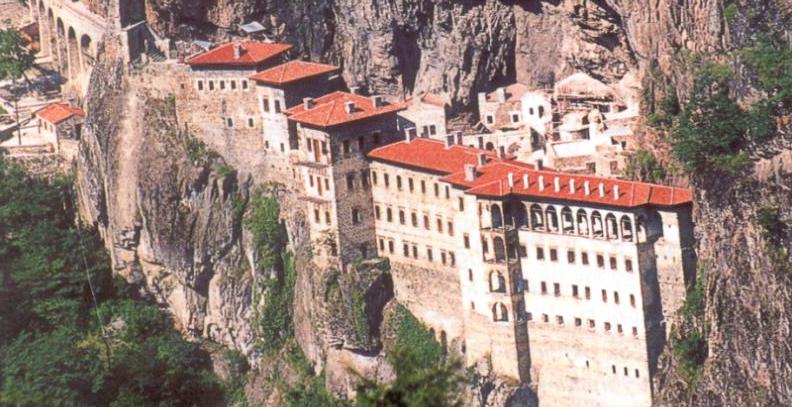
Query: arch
490, 146
537, 217
596, 224
86, 51
500, 249
626, 228
520, 215
500, 312
552, 218
44, 29
567, 221
497, 216
612, 227
73, 52
63, 63
582, 223
497, 282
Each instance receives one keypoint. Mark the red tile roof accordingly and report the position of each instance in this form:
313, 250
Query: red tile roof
330, 110
292, 71
492, 179
429, 154
58, 112
252, 54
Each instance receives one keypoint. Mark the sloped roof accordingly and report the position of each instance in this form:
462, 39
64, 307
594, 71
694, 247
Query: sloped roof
292, 71
582, 84
514, 93
252, 53
58, 112
330, 110
429, 154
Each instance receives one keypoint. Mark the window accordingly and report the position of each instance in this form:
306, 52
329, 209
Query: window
619, 329
545, 318
637, 375
415, 251
450, 229
443, 258
211, 85
282, 148
364, 179
635, 331
578, 322
265, 104
613, 263
355, 216
628, 265
515, 117
250, 122
553, 255
398, 182
432, 130
327, 217
466, 239
461, 204
361, 143
591, 323
544, 287
327, 184
439, 225
632, 300
277, 106
570, 257
539, 253
311, 180
600, 261
604, 296
229, 122
233, 85
382, 244
200, 85
346, 146
222, 85
390, 246
588, 293
470, 274
437, 189
316, 215
560, 320
557, 289
613, 369
406, 250
452, 258
324, 148
389, 214
414, 219
448, 192
423, 186
375, 138
584, 258
426, 222
472, 305
386, 179
615, 297
410, 185
377, 211
626, 371
429, 254
401, 217
489, 118
350, 181
575, 291
244, 84
374, 177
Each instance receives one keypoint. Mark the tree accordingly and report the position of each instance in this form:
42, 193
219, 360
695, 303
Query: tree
15, 57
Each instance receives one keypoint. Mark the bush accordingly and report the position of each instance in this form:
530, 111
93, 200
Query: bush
691, 352
643, 166
773, 226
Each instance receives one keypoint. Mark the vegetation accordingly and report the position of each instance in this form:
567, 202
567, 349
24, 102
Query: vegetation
15, 57
70, 334
690, 343
773, 226
424, 375
643, 166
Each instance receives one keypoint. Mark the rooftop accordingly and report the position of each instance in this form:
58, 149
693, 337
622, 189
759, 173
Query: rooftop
331, 110
58, 112
492, 179
513, 93
583, 85
292, 71
251, 54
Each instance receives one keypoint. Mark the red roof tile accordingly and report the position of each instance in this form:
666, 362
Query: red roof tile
292, 71
429, 154
492, 179
252, 54
330, 110
58, 112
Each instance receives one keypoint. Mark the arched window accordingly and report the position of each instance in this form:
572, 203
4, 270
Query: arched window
567, 221
626, 228
520, 214
582, 223
499, 312
612, 226
500, 249
552, 219
497, 216
596, 224
497, 282
490, 146
537, 217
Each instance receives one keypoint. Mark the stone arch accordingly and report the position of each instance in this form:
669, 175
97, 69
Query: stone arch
73, 52
86, 51
537, 217
626, 228
63, 63
596, 224
552, 218
44, 28
520, 215
567, 221
612, 226
500, 312
582, 223
500, 249
497, 216
497, 282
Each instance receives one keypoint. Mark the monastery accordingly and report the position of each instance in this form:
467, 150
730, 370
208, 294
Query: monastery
561, 279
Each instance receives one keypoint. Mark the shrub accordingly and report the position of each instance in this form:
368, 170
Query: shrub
691, 352
772, 225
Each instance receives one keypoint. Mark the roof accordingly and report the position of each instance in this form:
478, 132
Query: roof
330, 110
434, 99
252, 27
205, 45
514, 92
252, 54
429, 154
292, 71
582, 84
58, 112
492, 179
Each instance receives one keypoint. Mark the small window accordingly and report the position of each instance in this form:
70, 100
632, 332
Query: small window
588, 293
230, 122
211, 85
410, 185
470, 274
466, 239
604, 296
632, 300
282, 148
375, 138
615, 297
429, 255
472, 305
414, 219
311, 180
316, 215
265, 104
426, 222
557, 289
637, 375
544, 287
613, 263
490, 119
350, 181
398, 182
613, 369
619, 329
364, 179
432, 130
244, 84
346, 146
250, 122
382, 244
222, 85
635, 331
390, 246
515, 117
233, 85
355, 216
539, 253
461, 204
423, 186
361, 143
200, 85
553, 255
626, 371
591, 323
277, 106
575, 291
448, 192
452, 258
389, 215
437, 190
584, 258
628, 265
545, 318
374, 177
443, 257
402, 219
450, 228
377, 212
560, 319
600, 261
406, 250
439, 225
415, 251
571, 256
578, 322
386, 179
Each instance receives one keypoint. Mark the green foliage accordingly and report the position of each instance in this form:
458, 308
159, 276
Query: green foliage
691, 352
269, 233
694, 298
15, 58
224, 170
643, 166
730, 12
771, 57
197, 151
276, 317
773, 226
423, 350
56, 348
359, 317
710, 129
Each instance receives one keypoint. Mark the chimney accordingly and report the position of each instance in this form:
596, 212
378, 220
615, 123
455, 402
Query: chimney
237, 51
601, 190
587, 188
354, 90
377, 100
482, 159
511, 180
458, 135
525, 181
539, 164
409, 134
349, 107
541, 182
616, 192
449, 141
500, 95
470, 172
571, 185
308, 103
557, 182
